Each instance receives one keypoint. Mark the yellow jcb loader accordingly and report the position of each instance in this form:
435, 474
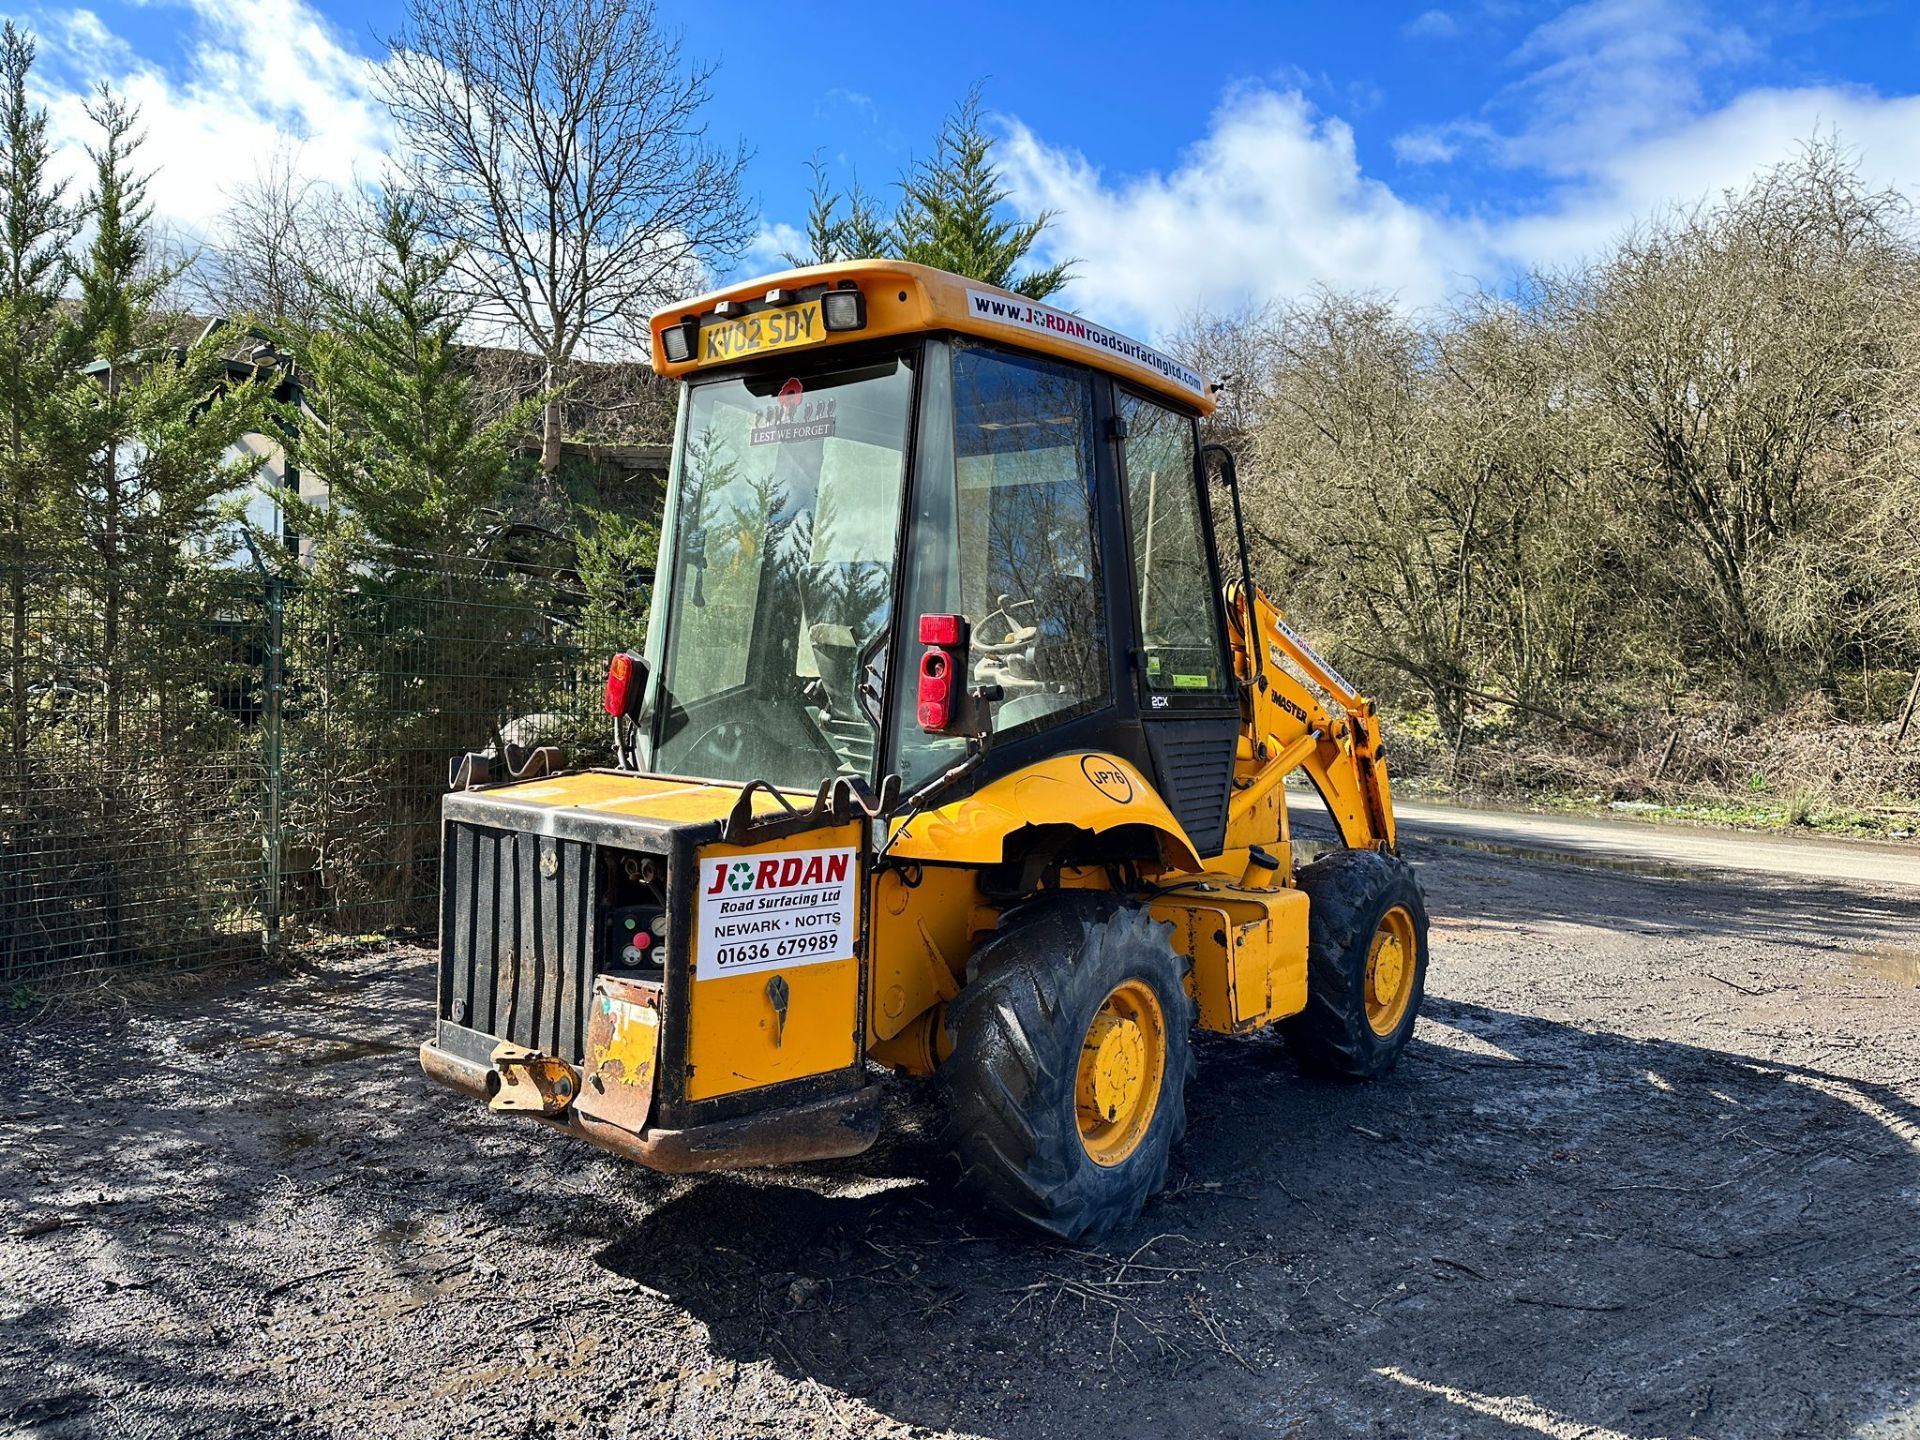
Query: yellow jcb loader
951, 750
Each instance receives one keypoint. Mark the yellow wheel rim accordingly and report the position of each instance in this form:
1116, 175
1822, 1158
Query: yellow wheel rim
1390, 970
1123, 1059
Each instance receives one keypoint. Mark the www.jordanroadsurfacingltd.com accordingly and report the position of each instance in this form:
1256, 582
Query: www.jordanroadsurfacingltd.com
1029, 316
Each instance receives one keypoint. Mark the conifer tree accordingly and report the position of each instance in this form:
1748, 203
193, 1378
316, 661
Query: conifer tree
150, 433
862, 233
35, 227
950, 212
410, 642
952, 215
389, 417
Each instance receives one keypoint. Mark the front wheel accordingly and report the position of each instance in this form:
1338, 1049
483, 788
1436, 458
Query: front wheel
1366, 964
1066, 1088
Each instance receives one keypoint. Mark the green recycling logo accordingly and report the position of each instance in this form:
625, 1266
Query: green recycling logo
740, 877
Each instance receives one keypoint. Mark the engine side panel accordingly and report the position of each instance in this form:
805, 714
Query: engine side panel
775, 983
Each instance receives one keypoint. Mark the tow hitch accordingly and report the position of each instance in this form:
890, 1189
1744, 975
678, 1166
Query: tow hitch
532, 1081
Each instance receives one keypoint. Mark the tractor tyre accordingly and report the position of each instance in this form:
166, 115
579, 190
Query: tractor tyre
1366, 964
1066, 1087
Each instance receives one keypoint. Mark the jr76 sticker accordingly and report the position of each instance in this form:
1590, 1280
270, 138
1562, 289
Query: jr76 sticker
769, 912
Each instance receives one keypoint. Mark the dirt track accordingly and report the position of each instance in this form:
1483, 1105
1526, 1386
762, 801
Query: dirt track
1651, 1167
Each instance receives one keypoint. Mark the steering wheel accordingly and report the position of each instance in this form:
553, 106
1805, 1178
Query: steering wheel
725, 741
1016, 636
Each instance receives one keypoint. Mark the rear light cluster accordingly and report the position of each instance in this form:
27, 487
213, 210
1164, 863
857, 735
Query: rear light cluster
942, 670
842, 309
626, 680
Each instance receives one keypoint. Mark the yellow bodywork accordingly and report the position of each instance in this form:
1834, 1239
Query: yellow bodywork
615, 792
1248, 946
745, 1031
903, 299
1288, 728
1088, 790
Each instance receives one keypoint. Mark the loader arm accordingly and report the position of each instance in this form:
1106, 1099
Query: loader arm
1287, 728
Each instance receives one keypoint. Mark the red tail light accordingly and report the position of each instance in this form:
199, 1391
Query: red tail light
949, 632
936, 690
943, 670
624, 679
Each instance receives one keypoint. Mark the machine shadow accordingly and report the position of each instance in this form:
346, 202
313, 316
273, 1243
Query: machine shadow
1554, 1213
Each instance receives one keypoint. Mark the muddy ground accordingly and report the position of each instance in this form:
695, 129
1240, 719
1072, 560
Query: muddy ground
1651, 1167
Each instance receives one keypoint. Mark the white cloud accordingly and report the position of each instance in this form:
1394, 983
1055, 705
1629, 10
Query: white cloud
1609, 113
766, 252
1429, 145
1431, 25
1610, 117
1271, 202
1609, 73
1711, 153
257, 77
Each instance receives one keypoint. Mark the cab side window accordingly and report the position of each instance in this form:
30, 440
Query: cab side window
1173, 585
1003, 533
1029, 572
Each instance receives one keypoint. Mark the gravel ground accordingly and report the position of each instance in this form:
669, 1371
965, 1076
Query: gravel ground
1651, 1167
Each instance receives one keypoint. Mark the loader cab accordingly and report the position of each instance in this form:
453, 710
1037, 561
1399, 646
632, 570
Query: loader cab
832, 486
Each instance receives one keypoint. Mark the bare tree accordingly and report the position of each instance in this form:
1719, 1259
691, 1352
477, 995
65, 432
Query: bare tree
559, 145
282, 237
1744, 357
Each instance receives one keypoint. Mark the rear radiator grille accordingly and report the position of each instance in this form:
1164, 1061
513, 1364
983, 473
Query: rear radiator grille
516, 937
1193, 762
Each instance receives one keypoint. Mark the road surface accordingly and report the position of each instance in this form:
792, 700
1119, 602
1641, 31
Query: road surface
1681, 849
1650, 1167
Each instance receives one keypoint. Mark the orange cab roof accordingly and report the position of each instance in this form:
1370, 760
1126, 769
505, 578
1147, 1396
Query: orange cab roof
781, 313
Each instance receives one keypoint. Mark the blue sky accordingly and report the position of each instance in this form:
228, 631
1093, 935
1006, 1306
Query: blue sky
1199, 156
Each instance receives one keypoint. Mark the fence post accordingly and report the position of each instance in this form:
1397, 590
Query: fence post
276, 777
273, 593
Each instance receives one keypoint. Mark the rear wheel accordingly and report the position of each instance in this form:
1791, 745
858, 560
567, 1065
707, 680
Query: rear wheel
1066, 1088
1366, 964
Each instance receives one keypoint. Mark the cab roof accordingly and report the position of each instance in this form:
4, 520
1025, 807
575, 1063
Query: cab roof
753, 319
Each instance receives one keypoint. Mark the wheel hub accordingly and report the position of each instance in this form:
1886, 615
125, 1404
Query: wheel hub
1115, 1065
1390, 971
1388, 962
1122, 1062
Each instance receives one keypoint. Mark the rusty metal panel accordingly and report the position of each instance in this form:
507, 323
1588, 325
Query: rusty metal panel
622, 1052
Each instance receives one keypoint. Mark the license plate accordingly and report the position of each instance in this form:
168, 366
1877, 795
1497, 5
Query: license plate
780, 329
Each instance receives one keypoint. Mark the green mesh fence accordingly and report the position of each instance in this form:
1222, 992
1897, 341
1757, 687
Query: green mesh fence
244, 763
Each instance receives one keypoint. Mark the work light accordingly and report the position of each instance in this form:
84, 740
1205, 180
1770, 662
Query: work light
677, 341
843, 310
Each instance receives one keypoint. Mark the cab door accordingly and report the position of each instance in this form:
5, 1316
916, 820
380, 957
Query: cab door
1188, 706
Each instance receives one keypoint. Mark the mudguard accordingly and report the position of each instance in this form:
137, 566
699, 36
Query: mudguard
1089, 790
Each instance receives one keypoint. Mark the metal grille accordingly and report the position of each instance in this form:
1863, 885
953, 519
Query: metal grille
1193, 760
517, 937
